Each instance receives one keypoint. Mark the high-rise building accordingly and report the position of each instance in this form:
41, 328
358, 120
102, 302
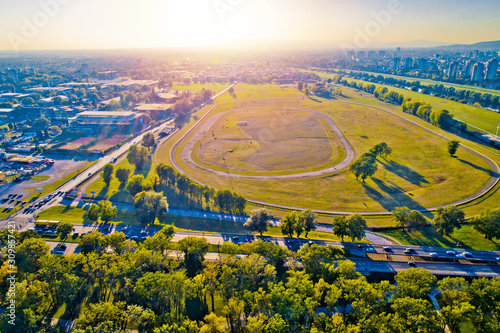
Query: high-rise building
398, 50
477, 72
408, 62
491, 69
361, 54
397, 63
371, 54
422, 63
468, 68
12, 73
452, 70
381, 53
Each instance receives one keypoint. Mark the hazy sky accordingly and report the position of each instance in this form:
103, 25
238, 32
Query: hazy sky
70, 24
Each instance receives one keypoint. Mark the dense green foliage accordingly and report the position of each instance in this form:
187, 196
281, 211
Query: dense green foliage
141, 286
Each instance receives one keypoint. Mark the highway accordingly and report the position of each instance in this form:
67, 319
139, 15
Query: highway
366, 266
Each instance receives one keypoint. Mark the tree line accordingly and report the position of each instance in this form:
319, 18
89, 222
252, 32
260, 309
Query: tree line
115, 284
463, 96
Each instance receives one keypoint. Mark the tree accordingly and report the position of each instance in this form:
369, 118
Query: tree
416, 220
27, 101
453, 146
364, 167
287, 223
149, 206
148, 140
64, 229
93, 212
122, 175
413, 315
114, 241
90, 242
107, 211
400, 217
341, 227
107, 173
356, 227
137, 156
41, 123
258, 220
29, 252
448, 219
488, 223
300, 85
194, 249
135, 184
381, 149
414, 283
309, 219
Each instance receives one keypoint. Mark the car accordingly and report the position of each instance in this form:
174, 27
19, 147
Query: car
63, 246
236, 238
460, 256
90, 173
143, 231
467, 254
359, 246
409, 250
433, 254
387, 248
497, 258
450, 252
412, 263
310, 242
371, 250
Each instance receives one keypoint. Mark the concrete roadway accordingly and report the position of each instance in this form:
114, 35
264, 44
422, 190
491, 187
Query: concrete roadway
360, 249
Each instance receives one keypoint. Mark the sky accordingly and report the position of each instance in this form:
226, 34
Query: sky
111, 24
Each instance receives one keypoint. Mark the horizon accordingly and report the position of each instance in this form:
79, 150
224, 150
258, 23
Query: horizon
155, 24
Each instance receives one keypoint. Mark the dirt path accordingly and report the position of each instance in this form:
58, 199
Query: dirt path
205, 127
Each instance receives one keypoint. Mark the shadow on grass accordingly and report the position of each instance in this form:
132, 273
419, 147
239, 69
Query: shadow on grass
145, 168
397, 197
404, 172
103, 193
314, 99
426, 236
488, 171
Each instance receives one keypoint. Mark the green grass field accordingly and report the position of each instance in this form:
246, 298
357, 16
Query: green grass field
116, 192
418, 174
466, 236
431, 82
258, 141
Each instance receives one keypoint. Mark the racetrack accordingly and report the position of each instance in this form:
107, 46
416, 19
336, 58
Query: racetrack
493, 179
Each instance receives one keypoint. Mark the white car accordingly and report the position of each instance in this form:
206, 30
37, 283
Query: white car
450, 252
433, 254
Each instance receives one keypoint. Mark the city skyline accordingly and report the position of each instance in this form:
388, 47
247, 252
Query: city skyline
71, 24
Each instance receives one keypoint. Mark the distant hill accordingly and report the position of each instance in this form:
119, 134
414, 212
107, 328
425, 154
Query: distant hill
495, 45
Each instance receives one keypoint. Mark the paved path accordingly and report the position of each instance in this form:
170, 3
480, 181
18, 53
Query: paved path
495, 170
203, 129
